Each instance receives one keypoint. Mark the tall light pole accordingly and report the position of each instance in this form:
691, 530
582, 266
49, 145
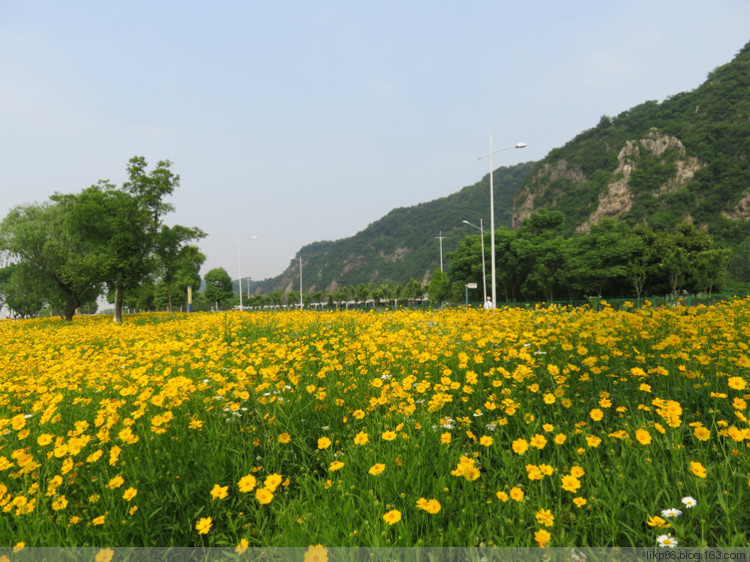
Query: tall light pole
492, 212
300, 280
484, 275
239, 267
440, 237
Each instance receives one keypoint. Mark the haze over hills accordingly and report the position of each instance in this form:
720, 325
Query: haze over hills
684, 159
404, 243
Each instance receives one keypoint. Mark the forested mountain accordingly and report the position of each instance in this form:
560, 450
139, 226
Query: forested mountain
403, 244
684, 159
659, 164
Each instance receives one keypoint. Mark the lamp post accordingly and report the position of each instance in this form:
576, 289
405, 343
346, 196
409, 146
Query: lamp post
300, 280
492, 213
484, 275
441, 237
239, 267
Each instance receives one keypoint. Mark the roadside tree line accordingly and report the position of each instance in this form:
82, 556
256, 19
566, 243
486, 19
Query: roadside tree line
611, 259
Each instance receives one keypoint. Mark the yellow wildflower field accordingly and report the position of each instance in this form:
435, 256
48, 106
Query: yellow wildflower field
545, 426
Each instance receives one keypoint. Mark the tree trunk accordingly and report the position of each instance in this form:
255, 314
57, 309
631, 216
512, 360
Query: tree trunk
69, 309
118, 305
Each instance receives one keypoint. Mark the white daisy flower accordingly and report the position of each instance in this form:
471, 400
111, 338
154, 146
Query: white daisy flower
689, 502
671, 512
666, 541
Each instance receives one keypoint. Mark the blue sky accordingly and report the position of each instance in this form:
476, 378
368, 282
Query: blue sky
298, 121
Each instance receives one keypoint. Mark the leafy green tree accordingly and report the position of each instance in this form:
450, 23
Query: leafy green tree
599, 259
176, 259
22, 289
711, 269
439, 289
292, 298
58, 263
136, 221
218, 288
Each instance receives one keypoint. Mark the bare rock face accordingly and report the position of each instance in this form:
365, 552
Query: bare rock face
741, 211
549, 173
618, 197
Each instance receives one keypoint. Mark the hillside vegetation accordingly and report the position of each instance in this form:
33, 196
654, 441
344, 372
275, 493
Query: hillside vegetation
684, 159
658, 165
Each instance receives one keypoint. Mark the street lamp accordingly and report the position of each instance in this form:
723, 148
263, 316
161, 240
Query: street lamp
484, 275
239, 267
300, 280
441, 238
492, 213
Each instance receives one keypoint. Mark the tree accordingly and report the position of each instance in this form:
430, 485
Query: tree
137, 220
218, 287
439, 288
22, 289
176, 257
58, 263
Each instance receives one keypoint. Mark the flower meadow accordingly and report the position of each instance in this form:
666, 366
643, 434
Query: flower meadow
547, 426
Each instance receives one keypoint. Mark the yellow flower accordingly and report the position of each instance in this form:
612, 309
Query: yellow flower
596, 414
701, 433
264, 496
246, 483
104, 555
516, 494
98, 520
393, 516
285, 438
502, 496
60, 503
316, 553
737, 383
129, 494
542, 537
203, 525
593, 441
219, 492
656, 521
388, 435
520, 446
697, 469
560, 438
44, 439
376, 469
545, 517
272, 481
361, 438
538, 441
579, 502
445, 438
430, 506
115, 482
324, 443
336, 465
242, 547
570, 483
485, 440
642, 436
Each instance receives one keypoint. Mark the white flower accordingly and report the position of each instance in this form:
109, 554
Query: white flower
671, 512
689, 502
667, 541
